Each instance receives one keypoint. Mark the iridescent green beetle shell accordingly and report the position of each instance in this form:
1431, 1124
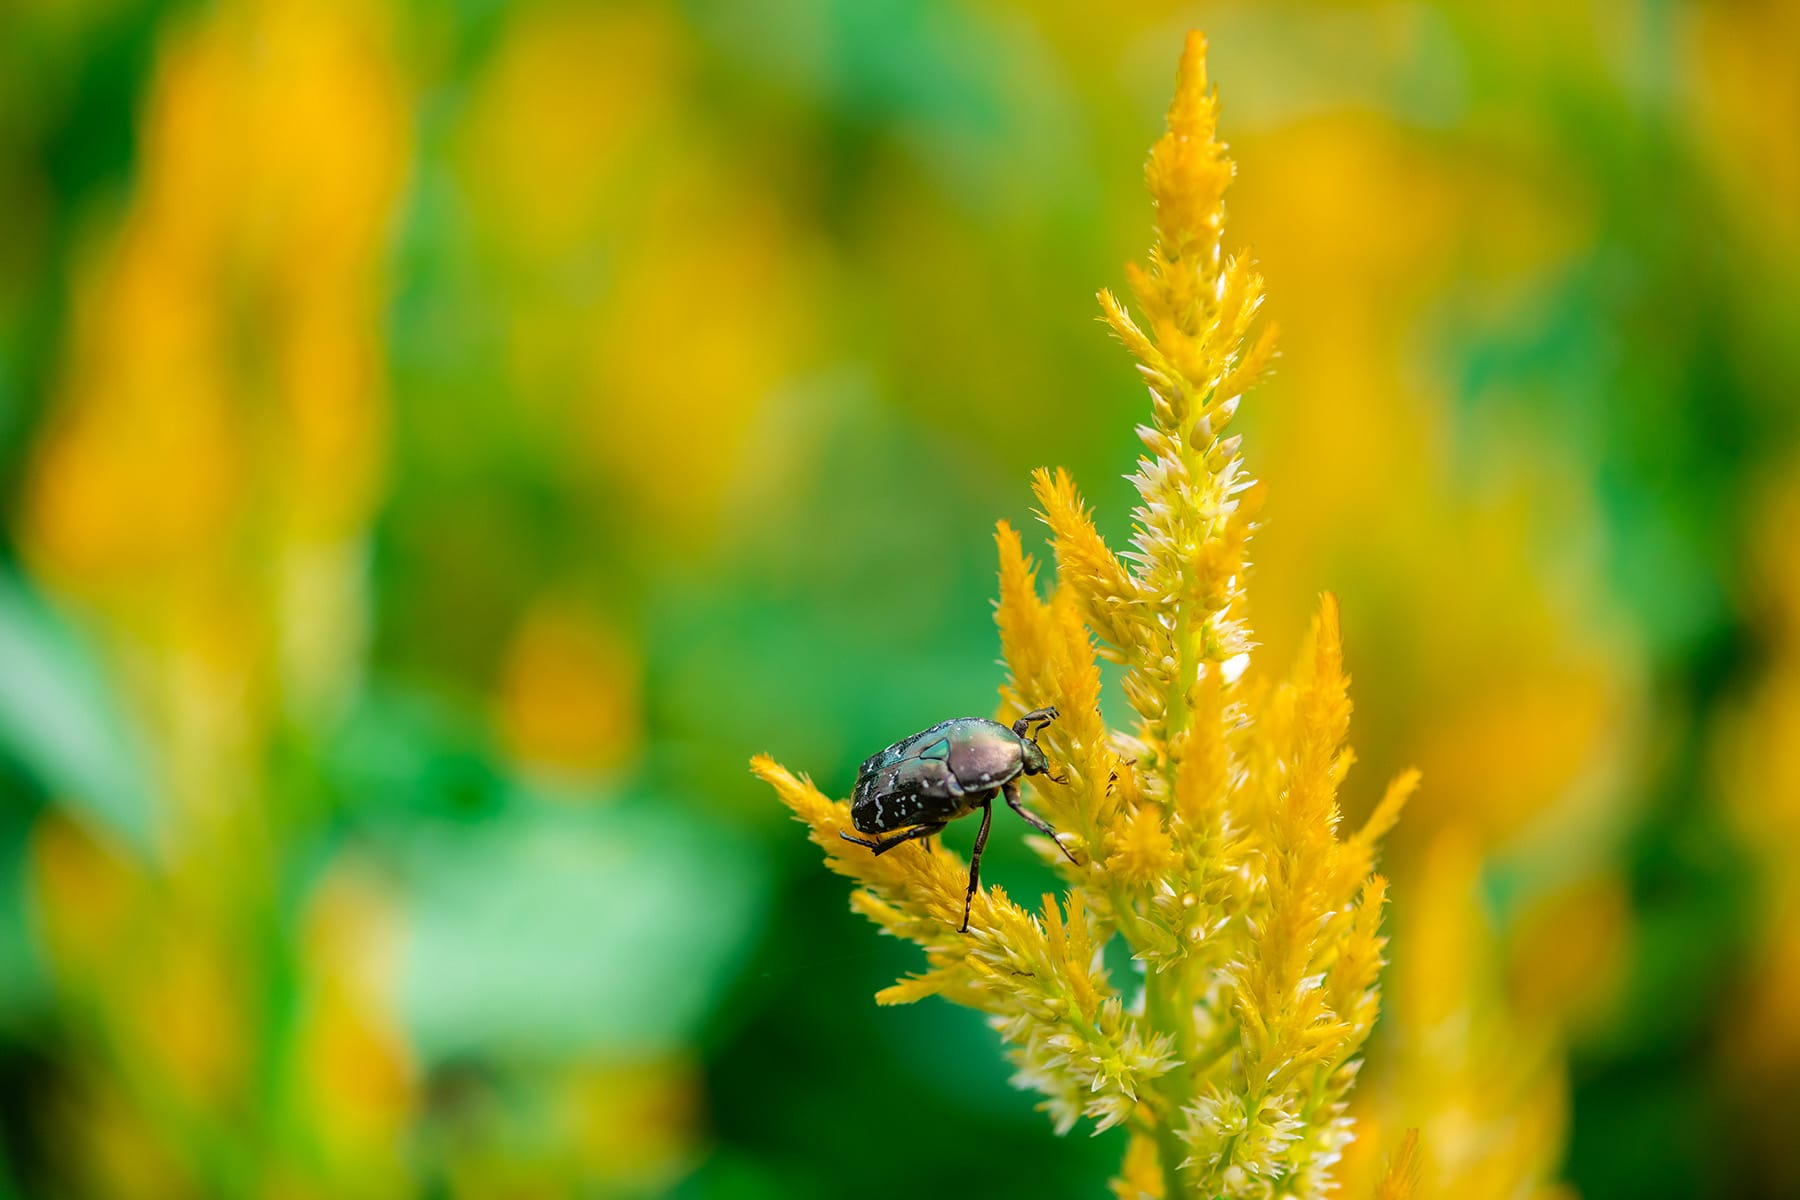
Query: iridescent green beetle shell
940, 774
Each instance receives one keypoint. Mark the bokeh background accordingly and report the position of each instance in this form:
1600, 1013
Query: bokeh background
439, 443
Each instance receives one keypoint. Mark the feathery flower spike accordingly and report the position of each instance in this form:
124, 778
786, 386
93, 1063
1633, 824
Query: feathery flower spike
1207, 832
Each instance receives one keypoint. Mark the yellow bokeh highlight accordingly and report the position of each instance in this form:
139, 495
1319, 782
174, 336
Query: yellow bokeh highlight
568, 693
658, 293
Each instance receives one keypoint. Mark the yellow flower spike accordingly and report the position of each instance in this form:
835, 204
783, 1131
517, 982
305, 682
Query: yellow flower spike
1252, 368
1207, 832
915, 988
1026, 636
1100, 583
1402, 1176
1144, 852
1080, 746
799, 794
1072, 952
1188, 171
1324, 709
1351, 980
1358, 853
1159, 375
1387, 813
1201, 782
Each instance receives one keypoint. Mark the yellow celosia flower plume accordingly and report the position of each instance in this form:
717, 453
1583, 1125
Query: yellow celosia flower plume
1207, 835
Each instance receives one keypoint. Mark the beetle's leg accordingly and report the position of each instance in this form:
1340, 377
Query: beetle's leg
987, 818
1037, 716
1032, 819
881, 848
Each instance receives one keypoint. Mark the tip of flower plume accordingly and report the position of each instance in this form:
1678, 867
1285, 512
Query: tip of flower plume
1192, 71
1190, 83
1322, 658
1007, 538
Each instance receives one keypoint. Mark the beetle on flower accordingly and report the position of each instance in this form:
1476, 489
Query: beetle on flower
922, 783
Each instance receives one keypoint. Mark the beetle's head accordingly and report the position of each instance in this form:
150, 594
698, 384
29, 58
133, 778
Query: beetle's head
1036, 761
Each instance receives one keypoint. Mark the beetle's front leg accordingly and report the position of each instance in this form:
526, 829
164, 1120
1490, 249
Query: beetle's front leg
881, 848
1037, 716
1032, 819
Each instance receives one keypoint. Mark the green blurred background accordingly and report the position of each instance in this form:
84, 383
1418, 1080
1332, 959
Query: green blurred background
439, 443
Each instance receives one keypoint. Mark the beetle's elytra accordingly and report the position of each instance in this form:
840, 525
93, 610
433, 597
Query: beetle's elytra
917, 786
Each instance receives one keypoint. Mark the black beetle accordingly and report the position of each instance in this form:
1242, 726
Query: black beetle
921, 784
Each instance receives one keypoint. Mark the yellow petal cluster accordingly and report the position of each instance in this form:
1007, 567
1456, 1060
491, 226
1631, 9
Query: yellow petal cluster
1206, 834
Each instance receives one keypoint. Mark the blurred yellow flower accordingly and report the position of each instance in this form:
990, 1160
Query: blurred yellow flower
633, 1123
1523, 685
542, 182
568, 693
358, 1081
1481, 1084
200, 495
1567, 954
1207, 835
172, 403
1746, 104
1521, 702
608, 1129
655, 285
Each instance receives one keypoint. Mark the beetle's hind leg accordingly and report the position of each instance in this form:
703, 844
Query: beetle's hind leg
881, 848
1037, 716
1032, 819
987, 818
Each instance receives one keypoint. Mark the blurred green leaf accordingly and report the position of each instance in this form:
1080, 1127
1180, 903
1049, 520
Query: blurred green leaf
556, 930
60, 719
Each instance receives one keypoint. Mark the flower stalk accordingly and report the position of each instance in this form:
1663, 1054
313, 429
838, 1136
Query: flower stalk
1206, 833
